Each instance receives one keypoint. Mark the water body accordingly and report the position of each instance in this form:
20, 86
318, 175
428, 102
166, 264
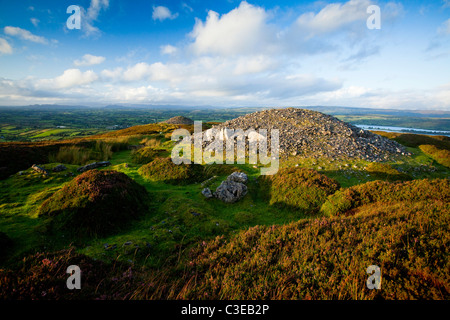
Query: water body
404, 130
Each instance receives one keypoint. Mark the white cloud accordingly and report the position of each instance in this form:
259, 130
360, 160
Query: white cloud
162, 13
242, 30
24, 34
5, 47
70, 78
35, 21
89, 60
168, 49
114, 74
90, 15
333, 17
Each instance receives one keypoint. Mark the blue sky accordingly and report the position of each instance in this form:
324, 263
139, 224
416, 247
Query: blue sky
226, 53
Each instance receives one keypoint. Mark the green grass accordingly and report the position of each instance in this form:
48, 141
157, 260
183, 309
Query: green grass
179, 219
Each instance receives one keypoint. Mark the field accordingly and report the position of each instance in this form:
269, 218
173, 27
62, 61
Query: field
312, 240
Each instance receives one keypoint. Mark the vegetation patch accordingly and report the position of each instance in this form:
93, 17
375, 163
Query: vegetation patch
42, 276
163, 169
441, 156
387, 192
95, 203
385, 171
326, 258
146, 155
298, 188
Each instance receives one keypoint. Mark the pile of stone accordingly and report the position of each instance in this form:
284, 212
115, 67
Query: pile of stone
179, 120
230, 190
314, 134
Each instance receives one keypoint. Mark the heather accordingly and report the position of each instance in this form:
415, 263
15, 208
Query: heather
94, 203
298, 189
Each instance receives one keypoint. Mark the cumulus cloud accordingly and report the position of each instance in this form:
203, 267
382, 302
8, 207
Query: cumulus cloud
5, 47
24, 34
89, 60
70, 78
242, 30
333, 17
162, 13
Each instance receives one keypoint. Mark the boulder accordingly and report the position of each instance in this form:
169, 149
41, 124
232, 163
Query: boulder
238, 177
230, 191
39, 169
59, 168
93, 165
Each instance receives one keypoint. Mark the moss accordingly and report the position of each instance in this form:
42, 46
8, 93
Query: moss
299, 189
95, 203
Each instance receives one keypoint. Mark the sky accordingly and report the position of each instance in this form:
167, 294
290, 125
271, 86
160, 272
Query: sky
227, 53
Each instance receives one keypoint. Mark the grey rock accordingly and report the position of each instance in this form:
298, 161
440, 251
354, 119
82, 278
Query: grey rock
59, 168
39, 169
93, 165
238, 177
207, 193
230, 191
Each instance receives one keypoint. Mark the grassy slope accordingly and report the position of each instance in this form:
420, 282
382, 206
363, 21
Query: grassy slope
167, 232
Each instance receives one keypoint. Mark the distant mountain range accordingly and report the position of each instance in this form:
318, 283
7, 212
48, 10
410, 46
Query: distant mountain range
333, 110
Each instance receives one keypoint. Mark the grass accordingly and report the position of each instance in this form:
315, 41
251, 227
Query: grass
187, 246
442, 156
298, 189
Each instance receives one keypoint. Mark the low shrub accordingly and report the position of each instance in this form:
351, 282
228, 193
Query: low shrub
441, 156
327, 258
100, 151
381, 191
95, 203
163, 169
42, 276
145, 155
385, 171
298, 188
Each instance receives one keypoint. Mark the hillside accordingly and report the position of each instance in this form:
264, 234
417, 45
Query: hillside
141, 228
